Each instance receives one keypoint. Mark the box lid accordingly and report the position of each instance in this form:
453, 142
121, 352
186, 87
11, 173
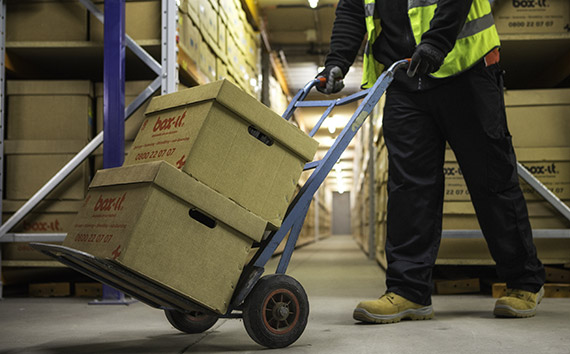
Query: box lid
188, 189
43, 147
529, 154
543, 97
45, 206
49, 87
246, 106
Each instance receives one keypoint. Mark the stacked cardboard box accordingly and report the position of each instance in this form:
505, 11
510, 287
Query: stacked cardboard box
531, 17
48, 122
229, 47
50, 20
209, 171
538, 122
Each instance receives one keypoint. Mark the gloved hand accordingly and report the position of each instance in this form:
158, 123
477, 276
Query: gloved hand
425, 60
334, 77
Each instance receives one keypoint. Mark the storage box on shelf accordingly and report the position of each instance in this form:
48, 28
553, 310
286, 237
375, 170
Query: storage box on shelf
49, 110
50, 216
168, 227
142, 21
43, 21
32, 163
531, 17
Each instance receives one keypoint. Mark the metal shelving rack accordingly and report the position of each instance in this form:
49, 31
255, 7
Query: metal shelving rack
115, 113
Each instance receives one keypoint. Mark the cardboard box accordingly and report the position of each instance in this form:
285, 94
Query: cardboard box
46, 110
230, 141
207, 62
49, 289
461, 216
539, 118
190, 38
531, 16
167, 226
30, 164
132, 90
48, 217
208, 22
142, 21
92, 290
46, 21
551, 166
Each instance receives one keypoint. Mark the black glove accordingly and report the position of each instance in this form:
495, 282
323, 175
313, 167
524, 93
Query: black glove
334, 77
425, 60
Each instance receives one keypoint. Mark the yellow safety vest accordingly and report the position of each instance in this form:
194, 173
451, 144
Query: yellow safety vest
477, 38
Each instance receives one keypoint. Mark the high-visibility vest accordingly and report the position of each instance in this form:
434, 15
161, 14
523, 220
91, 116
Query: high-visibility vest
477, 37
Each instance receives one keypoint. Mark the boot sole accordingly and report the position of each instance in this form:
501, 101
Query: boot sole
509, 312
424, 313
505, 311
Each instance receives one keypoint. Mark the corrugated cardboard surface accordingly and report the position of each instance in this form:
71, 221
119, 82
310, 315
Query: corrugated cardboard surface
32, 163
134, 122
139, 216
46, 21
45, 110
531, 16
142, 21
539, 118
551, 166
205, 131
48, 217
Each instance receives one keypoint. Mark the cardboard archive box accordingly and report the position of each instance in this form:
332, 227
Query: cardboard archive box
54, 21
49, 110
49, 216
32, 163
231, 142
531, 16
142, 21
539, 118
168, 227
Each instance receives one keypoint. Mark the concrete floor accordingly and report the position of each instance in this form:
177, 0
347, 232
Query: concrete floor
335, 274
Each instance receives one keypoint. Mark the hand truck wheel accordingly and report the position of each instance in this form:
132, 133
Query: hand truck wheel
190, 322
276, 311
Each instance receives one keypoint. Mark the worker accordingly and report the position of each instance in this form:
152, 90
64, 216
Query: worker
451, 92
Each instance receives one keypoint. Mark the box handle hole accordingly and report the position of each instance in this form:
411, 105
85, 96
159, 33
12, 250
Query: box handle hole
202, 218
259, 135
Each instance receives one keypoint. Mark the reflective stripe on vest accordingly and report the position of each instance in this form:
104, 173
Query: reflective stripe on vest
371, 67
477, 37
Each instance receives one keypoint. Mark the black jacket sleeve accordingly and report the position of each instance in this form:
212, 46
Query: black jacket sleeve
348, 32
447, 22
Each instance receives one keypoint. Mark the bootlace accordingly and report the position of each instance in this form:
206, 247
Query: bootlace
516, 293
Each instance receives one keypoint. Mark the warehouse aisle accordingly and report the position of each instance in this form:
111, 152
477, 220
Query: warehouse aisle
336, 275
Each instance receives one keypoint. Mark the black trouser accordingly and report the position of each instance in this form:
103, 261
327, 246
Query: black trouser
469, 113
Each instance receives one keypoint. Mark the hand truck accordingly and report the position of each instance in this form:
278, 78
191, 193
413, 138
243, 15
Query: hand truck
275, 307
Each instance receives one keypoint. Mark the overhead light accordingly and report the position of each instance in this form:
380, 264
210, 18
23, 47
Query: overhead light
313, 3
331, 124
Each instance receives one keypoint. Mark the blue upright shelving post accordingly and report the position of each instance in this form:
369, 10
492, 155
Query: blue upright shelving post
114, 107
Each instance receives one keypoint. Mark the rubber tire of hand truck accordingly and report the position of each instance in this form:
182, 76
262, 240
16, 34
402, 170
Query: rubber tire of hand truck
192, 322
276, 311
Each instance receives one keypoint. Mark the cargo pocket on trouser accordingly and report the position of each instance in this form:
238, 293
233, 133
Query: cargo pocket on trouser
501, 164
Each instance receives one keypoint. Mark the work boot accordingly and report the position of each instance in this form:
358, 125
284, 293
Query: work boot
518, 303
391, 308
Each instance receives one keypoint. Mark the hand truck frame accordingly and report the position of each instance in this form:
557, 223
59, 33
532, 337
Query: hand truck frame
275, 307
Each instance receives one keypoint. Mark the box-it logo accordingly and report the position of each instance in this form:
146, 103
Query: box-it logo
110, 204
530, 3
168, 123
549, 169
